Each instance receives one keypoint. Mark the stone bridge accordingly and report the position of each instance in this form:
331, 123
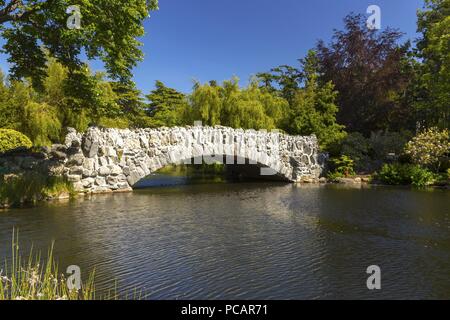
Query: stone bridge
107, 160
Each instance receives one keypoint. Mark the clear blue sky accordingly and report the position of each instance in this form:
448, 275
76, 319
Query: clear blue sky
212, 39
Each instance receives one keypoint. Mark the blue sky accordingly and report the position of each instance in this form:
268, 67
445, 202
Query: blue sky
212, 39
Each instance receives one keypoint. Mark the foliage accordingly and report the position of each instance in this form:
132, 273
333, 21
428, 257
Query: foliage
35, 279
286, 79
433, 48
370, 153
422, 177
431, 148
167, 106
32, 187
386, 143
109, 31
368, 70
229, 105
77, 101
132, 105
343, 168
358, 148
118, 123
313, 109
11, 139
406, 174
90, 93
41, 123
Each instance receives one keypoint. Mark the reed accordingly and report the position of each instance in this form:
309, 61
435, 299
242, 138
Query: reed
33, 278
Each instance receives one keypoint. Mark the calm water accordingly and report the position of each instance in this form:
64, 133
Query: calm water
250, 241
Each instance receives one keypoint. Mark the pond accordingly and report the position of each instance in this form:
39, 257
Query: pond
249, 240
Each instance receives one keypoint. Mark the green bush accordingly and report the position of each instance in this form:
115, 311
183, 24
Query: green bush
370, 153
31, 187
406, 174
383, 144
357, 147
11, 139
395, 174
343, 168
421, 177
430, 148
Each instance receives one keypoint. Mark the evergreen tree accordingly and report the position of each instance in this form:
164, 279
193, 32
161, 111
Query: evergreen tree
166, 106
314, 109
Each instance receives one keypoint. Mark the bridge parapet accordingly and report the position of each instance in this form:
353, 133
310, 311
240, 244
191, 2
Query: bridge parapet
106, 160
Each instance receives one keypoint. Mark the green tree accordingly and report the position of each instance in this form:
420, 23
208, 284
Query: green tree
41, 123
205, 104
109, 31
433, 49
166, 106
229, 105
314, 109
244, 108
285, 79
8, 116
19, 95
131, 103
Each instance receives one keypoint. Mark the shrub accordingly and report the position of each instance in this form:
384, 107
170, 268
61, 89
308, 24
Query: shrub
343, 168
32, 187
395, 174
11, 140
383, 144
406, 174
370, 153
421, 177
357, 148
430, 148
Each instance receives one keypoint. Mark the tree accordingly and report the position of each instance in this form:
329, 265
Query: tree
229, 105
369, 70
19, 94
128, 97
109, 31
205, 104
8, 117
167, 106
41, 123
433, 49
251, 107
286, 79
313, 108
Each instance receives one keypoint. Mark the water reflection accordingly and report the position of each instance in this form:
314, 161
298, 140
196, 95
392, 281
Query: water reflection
250, 241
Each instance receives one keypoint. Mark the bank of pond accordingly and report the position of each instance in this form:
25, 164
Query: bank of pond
29, 189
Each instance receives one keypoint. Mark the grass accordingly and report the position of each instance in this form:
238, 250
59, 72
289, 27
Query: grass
34, 278
30, 188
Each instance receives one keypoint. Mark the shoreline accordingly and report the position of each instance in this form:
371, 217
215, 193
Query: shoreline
357, 182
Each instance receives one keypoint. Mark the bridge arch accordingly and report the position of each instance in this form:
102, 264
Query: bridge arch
104, 160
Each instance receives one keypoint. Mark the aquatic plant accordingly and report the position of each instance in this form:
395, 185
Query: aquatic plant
29, 188
36, 279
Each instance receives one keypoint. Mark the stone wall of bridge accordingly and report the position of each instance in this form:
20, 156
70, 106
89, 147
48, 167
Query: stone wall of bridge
110, 160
